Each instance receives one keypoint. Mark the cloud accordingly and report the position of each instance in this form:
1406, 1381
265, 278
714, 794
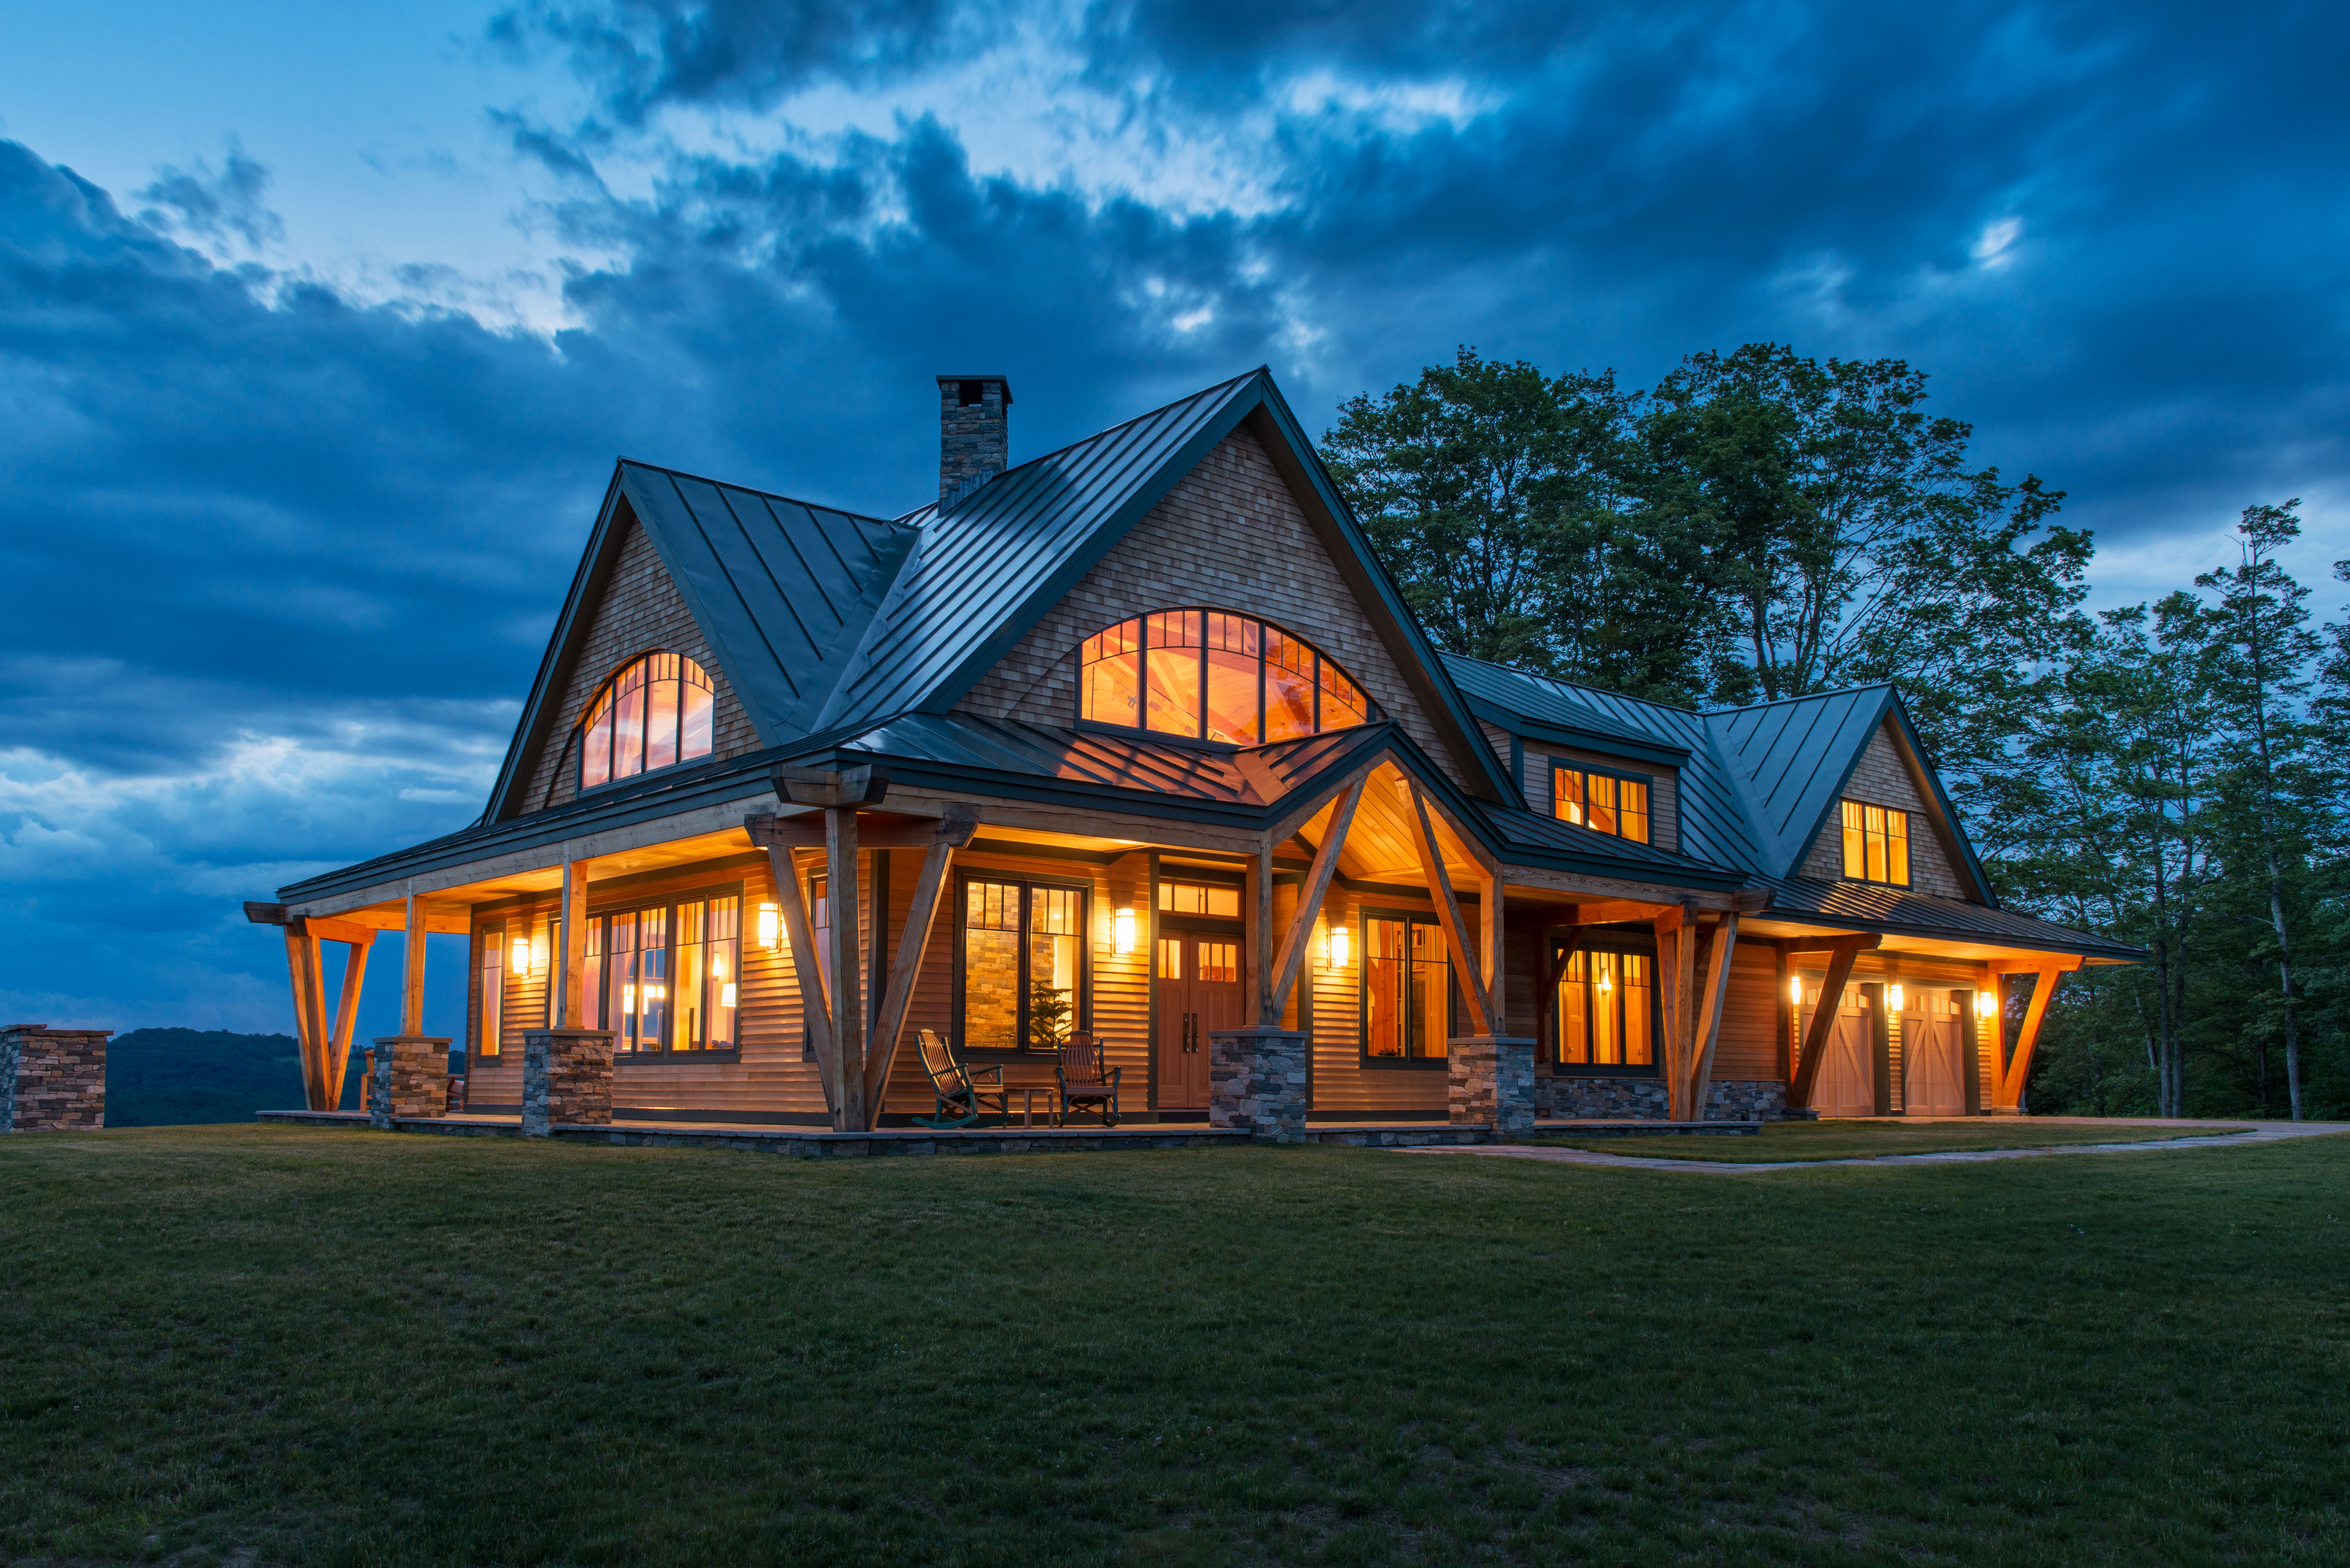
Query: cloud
214, 206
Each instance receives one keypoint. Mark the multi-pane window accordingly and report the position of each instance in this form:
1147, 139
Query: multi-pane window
666, 977
1209, 675
493, 1008
1221, 900
1604, 802
1608, 1010
1023, 964
654, 713
1876, 844
1407, 991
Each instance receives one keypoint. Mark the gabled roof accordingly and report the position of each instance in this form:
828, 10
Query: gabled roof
782, 588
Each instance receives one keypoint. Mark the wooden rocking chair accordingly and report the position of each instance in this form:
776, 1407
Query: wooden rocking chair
1084, 1081
963, 1092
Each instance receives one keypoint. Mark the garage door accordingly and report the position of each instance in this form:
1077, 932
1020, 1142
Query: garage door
1933, 1055
1847, 1081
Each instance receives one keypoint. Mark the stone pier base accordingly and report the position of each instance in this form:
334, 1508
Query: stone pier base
566, 1076
410, 1078
1256, 1083
52, 1080
1492, 1083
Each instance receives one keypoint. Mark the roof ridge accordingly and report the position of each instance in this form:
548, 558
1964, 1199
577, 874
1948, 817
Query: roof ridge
1801, 697
626, 462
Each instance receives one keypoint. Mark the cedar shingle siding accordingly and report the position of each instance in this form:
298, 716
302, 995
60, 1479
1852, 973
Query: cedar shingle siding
1881, 778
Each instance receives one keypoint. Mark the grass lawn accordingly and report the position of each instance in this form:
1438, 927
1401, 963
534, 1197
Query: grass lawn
1871, 1140
310, 1346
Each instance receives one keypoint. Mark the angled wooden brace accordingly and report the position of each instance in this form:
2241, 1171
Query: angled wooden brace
953, 831
1709, 1012
816, 1004
1456, 929
1815, 1039
1286, 968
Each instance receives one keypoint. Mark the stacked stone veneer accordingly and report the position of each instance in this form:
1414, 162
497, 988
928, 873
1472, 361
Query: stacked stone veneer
974, 439
1617, 1099
1491, 1081
1256, 1083
52, 1080
411, 1077
566, 1078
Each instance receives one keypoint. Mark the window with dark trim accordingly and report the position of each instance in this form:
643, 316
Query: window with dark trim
1408, 997
489, 1018
656, 712
1612, 802
1211, 675
1022, 962
1606, 1016
665, 975
1876, 844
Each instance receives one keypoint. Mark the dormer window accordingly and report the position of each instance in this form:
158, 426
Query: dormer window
1211, 675
655, 714
1613, 804
1876, 844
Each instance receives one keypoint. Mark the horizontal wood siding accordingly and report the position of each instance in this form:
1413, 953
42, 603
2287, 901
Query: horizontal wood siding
1342, 1084
1749, 1047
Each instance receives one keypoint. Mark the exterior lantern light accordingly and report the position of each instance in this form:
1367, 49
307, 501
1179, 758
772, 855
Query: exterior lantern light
771, 927
1606, 983
1986, 1003
1893, 995
1341, 947
1795, 991
518, 955
1121, 930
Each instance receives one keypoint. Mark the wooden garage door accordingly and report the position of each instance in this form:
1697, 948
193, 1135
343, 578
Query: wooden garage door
1847, 1081
1933, 1055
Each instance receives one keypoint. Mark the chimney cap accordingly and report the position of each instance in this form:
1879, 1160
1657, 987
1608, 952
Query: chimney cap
1004, 381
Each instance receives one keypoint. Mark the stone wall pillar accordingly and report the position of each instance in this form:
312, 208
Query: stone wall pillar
1493, 1083
1256, 1083
566, 1076
52, 1080
410, 1078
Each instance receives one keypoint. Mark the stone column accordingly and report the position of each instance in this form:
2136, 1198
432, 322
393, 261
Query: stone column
1256, 1083
566, 1076
412, 1078
1493, 1083
52, 1080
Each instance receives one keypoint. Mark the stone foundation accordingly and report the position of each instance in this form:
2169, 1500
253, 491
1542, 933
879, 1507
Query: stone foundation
411, 1077
1492, 1083
1616, 1099
566, 1077
1256, 1083
52, 1080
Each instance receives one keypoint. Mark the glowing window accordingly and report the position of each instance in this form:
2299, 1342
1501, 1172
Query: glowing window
1608, 1010
1876, 844
1612, 803
655, 714
1211, 675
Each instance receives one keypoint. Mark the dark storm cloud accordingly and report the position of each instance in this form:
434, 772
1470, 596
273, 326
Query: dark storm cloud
200, 201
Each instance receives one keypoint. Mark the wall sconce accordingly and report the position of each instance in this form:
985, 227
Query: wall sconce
1986, 1003
1893, 996
1795, 991
1121, 931
771, 927
518, 956
1342, 946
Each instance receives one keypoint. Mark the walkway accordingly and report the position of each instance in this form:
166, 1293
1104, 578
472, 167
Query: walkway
2261, 1132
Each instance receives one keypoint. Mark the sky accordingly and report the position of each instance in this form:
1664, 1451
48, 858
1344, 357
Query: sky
321, 327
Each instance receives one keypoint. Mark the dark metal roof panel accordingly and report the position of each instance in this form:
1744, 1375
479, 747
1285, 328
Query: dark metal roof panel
988, 557
1789, 760
1872, 907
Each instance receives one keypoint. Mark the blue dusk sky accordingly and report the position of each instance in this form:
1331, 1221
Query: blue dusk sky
321, 326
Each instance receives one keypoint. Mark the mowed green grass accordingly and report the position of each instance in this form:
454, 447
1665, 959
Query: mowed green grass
315, 1345
1873, 1139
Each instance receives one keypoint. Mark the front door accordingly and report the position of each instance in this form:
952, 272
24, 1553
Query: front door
1198, 991
1933, 1056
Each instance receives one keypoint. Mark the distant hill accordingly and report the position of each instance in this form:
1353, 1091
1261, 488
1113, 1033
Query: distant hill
170, 1077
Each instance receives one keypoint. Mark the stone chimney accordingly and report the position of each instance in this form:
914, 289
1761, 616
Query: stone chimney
973, 420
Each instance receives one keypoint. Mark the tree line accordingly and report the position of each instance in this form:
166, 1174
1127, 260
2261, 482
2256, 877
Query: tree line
1762, 525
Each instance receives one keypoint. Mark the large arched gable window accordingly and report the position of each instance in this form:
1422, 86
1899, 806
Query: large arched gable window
1212, 675
654, 713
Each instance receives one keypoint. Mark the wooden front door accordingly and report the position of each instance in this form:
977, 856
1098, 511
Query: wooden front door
1847, 1081
1933, 1056
1198, 991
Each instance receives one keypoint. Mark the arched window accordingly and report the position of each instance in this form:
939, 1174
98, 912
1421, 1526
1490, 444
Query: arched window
1209, 675
653, 715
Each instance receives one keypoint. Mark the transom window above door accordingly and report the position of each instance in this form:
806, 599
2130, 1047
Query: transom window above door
1211, 675
655, 714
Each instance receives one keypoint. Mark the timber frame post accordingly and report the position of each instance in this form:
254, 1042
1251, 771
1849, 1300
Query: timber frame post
2012, 1076
323, 1045
835, 1006
954, 830
1467, 960
1676, 929
1291, 962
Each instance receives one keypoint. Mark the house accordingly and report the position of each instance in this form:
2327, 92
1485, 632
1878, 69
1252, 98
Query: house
1138, 740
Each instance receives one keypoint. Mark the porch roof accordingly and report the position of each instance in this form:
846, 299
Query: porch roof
1871, 907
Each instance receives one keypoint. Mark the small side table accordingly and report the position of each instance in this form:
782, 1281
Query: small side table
1028, 1103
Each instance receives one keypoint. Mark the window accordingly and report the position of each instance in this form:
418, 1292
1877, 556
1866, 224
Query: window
487, 1036
1019, 975
1209, 675
1220, 901
665, 978
1407, 991
655, 714
1876, 844
1608, 1011
1613, 803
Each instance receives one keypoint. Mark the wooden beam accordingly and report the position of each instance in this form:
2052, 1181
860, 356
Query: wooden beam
2053, 964
1708, 1016
264, 914
1676, 931
1309, 899
300, 952
2027, 1039
906, 968
1297, 812
768, 831
411, 970
847, 973
1823, 1016
1456, 929
831, 787
572, 1012
328, 930
1612, 911
1256, 926
347, 1018
808, 973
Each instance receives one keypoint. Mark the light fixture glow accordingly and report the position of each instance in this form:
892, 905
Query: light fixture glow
1795, 991
1893, 995
1121, 930
518, 955
1986, 1003
771, 927
1341, 947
